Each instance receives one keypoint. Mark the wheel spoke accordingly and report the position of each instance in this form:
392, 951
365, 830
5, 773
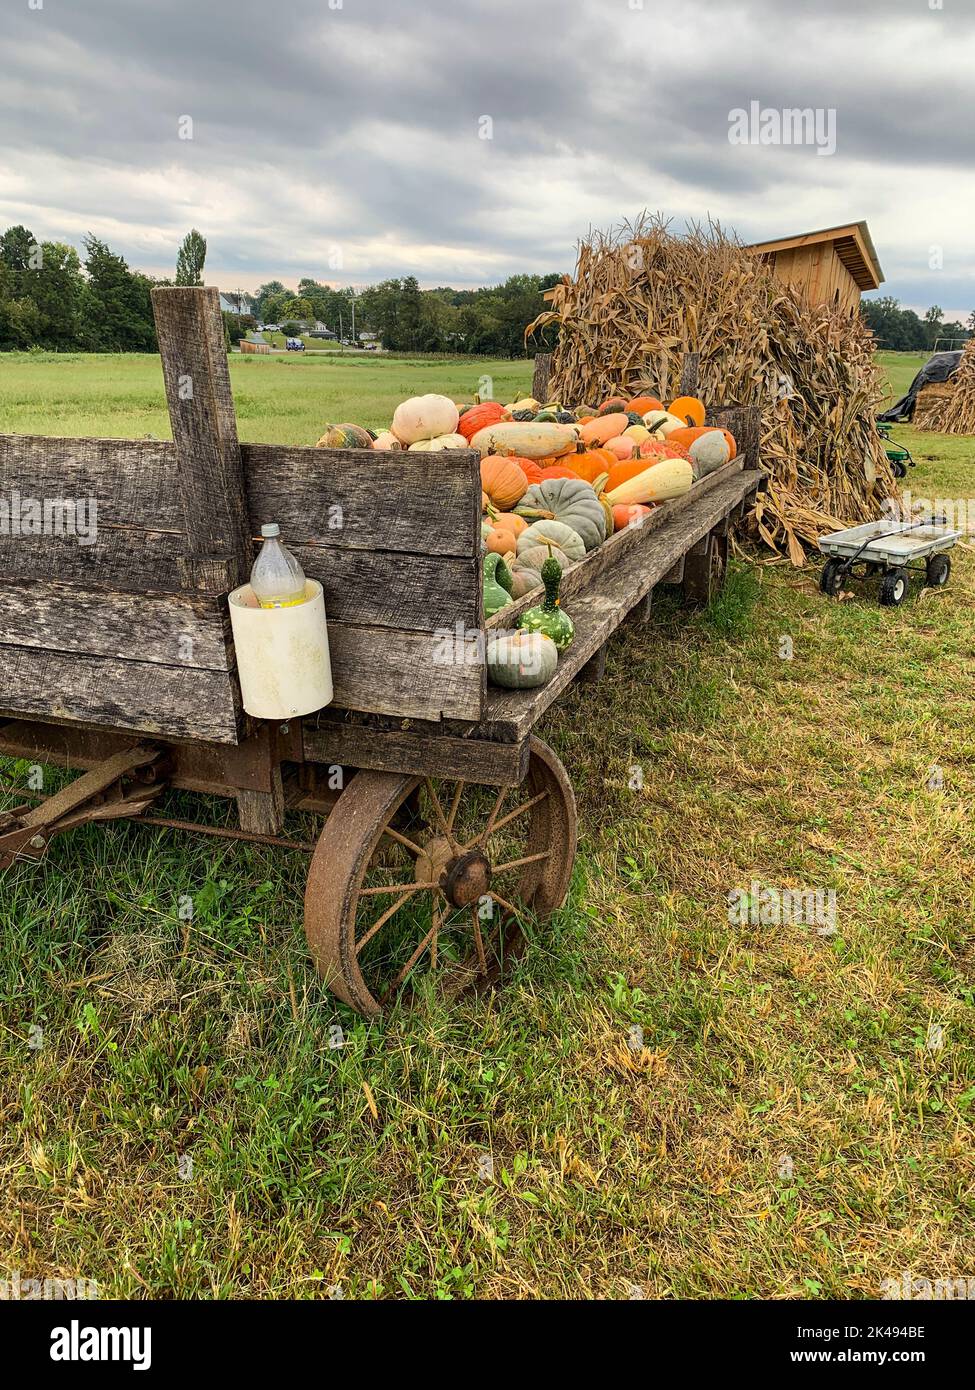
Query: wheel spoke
496, 897
513, 815
479, 942
438, 811
402, 973
395, 888
518, 863
390, 912
402, 840
452, 813
437, 924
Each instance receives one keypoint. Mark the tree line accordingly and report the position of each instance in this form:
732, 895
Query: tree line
52, 297
902, 330
55, 298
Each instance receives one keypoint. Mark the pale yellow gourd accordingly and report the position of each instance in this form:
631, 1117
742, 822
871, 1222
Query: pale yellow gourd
526, 439
658, 483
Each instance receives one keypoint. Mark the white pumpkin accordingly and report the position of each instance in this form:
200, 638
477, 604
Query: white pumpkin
386, 440
442, 441
709, 452
661, 423
424, 417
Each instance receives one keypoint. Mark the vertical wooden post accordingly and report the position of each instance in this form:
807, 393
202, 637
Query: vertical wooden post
218, 553
690, 374
189, 326
543, 370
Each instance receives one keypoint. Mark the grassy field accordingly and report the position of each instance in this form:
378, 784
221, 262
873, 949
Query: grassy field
279, 400
799, 1120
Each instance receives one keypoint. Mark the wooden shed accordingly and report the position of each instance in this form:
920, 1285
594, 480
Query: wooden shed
834, 265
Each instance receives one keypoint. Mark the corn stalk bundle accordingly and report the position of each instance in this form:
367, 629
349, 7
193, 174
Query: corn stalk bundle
643, 297
958, 411
929, 408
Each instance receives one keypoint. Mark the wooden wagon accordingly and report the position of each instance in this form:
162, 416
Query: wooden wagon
451, 829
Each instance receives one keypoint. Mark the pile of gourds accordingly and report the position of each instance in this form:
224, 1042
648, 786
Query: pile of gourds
556, 483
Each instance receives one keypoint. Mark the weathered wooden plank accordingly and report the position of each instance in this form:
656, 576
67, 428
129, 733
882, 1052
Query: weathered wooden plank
419, 593
587, 571
367, 499
595, 667
190, 329
474, 760
165, 629
541, 376
690, 374
380, 671
181, 702
745, 423
128, 560
134, 482
599, 609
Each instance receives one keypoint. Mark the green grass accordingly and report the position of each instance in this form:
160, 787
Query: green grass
279, 400
785, 1131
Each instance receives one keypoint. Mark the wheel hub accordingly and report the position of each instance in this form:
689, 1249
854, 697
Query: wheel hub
464, 878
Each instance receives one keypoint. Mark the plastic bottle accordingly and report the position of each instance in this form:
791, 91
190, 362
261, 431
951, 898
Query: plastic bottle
277, 579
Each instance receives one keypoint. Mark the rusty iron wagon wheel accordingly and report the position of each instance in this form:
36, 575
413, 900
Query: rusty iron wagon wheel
418, 880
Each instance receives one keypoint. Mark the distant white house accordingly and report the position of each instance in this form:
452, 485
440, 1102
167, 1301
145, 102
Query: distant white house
234, 302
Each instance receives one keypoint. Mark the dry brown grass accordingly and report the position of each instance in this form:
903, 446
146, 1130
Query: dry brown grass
957, 414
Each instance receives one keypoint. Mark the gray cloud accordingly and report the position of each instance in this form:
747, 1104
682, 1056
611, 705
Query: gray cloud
357, 127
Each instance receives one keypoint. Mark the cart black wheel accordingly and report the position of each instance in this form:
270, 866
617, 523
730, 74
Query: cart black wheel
831, 578
899, 468
893, 588
937, 571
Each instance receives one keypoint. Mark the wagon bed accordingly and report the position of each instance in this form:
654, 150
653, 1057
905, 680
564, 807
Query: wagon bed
118, 661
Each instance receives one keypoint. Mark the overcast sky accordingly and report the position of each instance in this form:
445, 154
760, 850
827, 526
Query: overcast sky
343, 138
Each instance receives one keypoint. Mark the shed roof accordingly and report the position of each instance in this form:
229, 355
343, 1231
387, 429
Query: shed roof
852, 243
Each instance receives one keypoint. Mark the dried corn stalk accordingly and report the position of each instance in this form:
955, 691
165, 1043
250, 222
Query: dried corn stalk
957, 414
643, 297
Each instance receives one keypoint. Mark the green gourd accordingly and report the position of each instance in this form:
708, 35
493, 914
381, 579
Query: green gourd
548, 617
521, 660
570, 501
497, 584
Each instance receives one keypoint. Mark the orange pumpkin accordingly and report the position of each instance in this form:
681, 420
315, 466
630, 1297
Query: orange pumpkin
478, 418
612, 405
591, 464
688, 408
687, 437
531, 469
603, 428
503, 481
556, 470
629, 514
510, 521
499, 540
641, 404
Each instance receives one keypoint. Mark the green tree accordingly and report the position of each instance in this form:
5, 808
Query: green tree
190, 259
117, 308
18, 249
272, 290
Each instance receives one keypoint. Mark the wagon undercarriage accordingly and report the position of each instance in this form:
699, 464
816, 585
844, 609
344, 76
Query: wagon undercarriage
450, 828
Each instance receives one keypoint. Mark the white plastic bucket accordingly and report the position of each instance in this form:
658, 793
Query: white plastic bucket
282, 654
